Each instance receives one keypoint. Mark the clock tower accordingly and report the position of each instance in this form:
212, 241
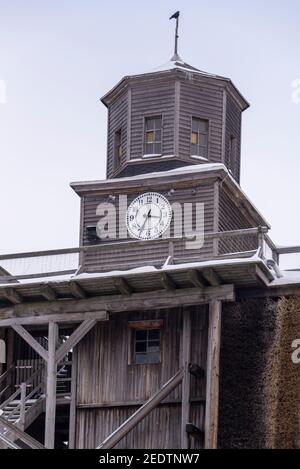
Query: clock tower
167, 237
173, 116
156, 332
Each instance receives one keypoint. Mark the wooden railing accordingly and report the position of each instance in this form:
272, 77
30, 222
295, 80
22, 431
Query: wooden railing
46, 264
6, 380
50, 263
22, 410
21, 394
12, 437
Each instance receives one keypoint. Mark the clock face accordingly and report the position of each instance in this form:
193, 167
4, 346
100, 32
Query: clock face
148, 216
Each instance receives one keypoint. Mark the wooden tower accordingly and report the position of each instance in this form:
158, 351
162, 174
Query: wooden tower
117, 343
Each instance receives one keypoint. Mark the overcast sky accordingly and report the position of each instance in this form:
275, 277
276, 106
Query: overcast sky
58, 57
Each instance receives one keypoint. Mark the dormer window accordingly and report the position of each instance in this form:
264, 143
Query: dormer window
118, 147
199, 138
152, 137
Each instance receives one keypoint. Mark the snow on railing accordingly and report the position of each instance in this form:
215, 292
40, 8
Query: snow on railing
60, 262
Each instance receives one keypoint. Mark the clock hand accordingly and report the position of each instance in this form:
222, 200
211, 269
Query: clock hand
142, 227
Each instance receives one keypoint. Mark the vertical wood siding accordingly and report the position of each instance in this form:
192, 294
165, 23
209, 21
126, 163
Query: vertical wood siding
177, 97
233, 128
117, 119
152, 98
231, 217
204, 101
104, 376
149, 252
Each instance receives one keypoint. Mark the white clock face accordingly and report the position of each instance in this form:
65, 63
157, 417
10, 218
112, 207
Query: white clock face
148, 216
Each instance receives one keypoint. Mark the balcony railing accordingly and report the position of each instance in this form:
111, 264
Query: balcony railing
121, 255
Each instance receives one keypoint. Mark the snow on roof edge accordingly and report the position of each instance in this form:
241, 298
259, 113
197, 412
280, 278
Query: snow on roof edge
196, 168
138, 270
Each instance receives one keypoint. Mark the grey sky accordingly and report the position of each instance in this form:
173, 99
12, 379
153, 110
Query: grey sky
57, 58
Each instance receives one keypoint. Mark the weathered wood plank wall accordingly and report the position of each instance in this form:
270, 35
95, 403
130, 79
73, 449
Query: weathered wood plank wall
149, 252
106, 378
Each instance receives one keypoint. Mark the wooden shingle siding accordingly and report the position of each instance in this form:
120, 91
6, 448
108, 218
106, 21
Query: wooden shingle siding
152, 99
105, 348
233, 128
205, 102
117, 119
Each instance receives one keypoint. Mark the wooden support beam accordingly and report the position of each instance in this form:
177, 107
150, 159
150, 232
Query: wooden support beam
73, 403
19, 435
196, 278
12, 295
51, 386
48, 293
21, 423
212, 380
211, 276
123, 286
31, 341
59, 318
167, 282
142, 412
261, 277
186, 355
115, 303
115, 404
77, 291
74, 338
269, 292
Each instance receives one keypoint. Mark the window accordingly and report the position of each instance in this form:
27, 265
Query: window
118, 146
152, 138
147, 346
199, 138
144, 342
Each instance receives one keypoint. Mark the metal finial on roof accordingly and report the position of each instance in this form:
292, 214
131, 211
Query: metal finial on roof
176, 17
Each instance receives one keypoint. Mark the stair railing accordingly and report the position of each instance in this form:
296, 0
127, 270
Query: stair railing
11, 435
6, 381
64, 366
21, 393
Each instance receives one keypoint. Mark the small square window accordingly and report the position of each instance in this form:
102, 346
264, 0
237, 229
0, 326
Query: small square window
145, 342
147, 350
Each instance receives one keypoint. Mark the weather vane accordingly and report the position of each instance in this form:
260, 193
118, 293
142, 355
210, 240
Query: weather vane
176, 17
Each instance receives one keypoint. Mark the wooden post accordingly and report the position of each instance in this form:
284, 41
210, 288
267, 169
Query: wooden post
212, 375
51, 386
22, 405
185, 398
261, 239
10, 361
72, 421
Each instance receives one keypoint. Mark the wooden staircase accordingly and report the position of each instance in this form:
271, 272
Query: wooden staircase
24, 406
11, 437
